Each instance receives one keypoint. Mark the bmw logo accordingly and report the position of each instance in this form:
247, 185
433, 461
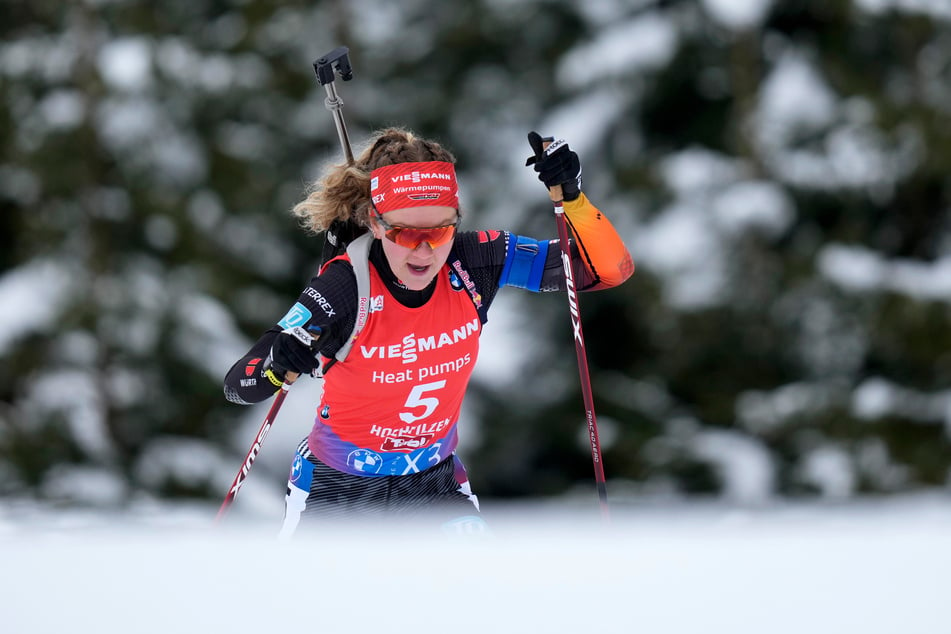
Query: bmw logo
365, 460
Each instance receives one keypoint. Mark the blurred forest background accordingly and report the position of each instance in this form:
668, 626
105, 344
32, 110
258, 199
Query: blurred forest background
781, 171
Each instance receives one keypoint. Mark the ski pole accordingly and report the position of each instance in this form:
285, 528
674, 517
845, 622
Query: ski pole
327, 67
255, 446
309, 338
557, 200
339, 60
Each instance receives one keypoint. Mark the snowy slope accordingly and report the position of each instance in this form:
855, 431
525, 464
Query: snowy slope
867, 568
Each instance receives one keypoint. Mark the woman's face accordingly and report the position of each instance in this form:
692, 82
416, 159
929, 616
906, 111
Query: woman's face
415, 267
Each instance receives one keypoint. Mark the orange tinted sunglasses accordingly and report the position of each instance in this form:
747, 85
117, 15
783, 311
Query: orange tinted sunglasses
412, 237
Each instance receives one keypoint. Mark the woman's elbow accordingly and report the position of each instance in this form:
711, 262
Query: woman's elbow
612, 276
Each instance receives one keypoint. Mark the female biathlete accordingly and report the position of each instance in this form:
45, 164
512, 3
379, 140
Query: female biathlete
394, 325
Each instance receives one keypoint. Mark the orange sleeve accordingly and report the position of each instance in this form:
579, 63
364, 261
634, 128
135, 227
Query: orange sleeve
602, 250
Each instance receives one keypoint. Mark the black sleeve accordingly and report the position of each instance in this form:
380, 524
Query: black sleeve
553, 277
482, 254
329, 302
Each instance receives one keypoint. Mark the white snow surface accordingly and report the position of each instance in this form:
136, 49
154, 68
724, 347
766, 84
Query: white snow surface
869, 568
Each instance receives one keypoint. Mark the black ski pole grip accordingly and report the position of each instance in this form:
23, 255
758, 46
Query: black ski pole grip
337, 59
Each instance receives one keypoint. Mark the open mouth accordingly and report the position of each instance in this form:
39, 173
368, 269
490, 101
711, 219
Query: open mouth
415, 268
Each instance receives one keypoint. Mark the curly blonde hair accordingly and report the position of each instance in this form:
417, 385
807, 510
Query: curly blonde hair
343, 191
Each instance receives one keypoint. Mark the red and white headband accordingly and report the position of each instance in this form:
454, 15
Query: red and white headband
414, 185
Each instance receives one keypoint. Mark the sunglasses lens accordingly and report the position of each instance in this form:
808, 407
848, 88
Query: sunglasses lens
412, 238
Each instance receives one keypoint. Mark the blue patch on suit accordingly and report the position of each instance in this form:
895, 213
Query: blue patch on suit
302, 472
298, 315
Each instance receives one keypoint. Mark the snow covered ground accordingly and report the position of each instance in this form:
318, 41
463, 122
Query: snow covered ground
862, 567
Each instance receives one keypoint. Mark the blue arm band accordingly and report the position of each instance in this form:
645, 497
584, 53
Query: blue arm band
524, 263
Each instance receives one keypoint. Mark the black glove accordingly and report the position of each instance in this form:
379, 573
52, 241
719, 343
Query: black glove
294, 350
556, 165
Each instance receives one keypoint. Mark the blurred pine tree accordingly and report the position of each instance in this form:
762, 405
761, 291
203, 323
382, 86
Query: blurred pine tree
783, 183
